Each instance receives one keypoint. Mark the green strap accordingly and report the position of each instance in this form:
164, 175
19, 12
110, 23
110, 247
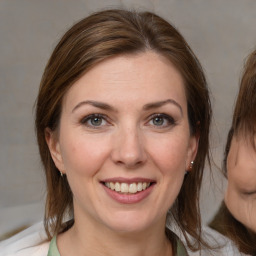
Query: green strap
53, 249
181, 251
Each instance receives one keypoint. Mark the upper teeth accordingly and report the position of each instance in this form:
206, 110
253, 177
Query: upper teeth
127, 188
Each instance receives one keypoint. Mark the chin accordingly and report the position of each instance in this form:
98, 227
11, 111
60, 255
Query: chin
128, 223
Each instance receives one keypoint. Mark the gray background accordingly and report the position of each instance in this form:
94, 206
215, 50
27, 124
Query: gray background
221, 33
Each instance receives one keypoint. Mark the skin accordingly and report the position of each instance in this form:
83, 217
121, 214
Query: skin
129, 142
241, 191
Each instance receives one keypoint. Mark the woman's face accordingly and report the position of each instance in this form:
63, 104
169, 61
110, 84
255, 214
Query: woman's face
241, 192
124, 142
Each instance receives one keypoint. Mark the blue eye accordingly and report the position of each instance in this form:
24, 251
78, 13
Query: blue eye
158, 121
161, 120
94, 121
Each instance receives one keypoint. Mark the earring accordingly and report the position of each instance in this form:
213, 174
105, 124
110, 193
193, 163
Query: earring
190, 167
61, 174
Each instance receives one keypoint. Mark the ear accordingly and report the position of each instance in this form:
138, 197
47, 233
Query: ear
192, 150
54, 147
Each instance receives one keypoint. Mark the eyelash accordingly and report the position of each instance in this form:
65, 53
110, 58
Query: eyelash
170, 120
249, 193
88, 118
164, 117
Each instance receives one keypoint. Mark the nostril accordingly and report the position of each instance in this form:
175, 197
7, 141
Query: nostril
129, 160
130, 164
128, 149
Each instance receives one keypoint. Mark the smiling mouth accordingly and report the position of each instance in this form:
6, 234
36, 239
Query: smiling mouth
127, 188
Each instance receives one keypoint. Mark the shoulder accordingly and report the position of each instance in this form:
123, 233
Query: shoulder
32, 241
221, 245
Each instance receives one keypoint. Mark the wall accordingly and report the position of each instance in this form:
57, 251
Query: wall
221, 33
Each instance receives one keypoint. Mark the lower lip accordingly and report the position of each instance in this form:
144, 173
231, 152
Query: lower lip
129, 198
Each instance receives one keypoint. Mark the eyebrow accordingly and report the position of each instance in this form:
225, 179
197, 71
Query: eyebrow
146, 107
162, 103
96, 104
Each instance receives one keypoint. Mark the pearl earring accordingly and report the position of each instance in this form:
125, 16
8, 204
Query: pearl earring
190, 167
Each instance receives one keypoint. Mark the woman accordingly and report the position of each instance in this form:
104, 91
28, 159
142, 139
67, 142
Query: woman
236, 217
122, 121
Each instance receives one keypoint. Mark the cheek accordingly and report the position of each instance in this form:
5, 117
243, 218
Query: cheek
243, 208
251, 214
84, 155
242, 177
170, 159
169, 154
246, 213
234, 203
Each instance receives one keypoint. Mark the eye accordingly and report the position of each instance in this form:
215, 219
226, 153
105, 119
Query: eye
161, 120
94, 121
248, 193
158, 120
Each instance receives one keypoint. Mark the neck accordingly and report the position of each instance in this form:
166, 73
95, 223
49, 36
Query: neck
83, 240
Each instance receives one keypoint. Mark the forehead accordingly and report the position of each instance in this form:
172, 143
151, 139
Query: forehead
128, 77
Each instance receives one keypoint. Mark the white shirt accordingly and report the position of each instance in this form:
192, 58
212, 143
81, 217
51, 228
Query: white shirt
33, 242
215, 239
30, 242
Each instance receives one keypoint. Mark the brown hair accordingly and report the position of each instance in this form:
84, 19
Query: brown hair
244, 117
100, 36
243, 124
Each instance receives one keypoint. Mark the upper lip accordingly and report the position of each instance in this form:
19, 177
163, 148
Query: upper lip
128, 180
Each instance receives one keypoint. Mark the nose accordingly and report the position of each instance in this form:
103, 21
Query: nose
128, 149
